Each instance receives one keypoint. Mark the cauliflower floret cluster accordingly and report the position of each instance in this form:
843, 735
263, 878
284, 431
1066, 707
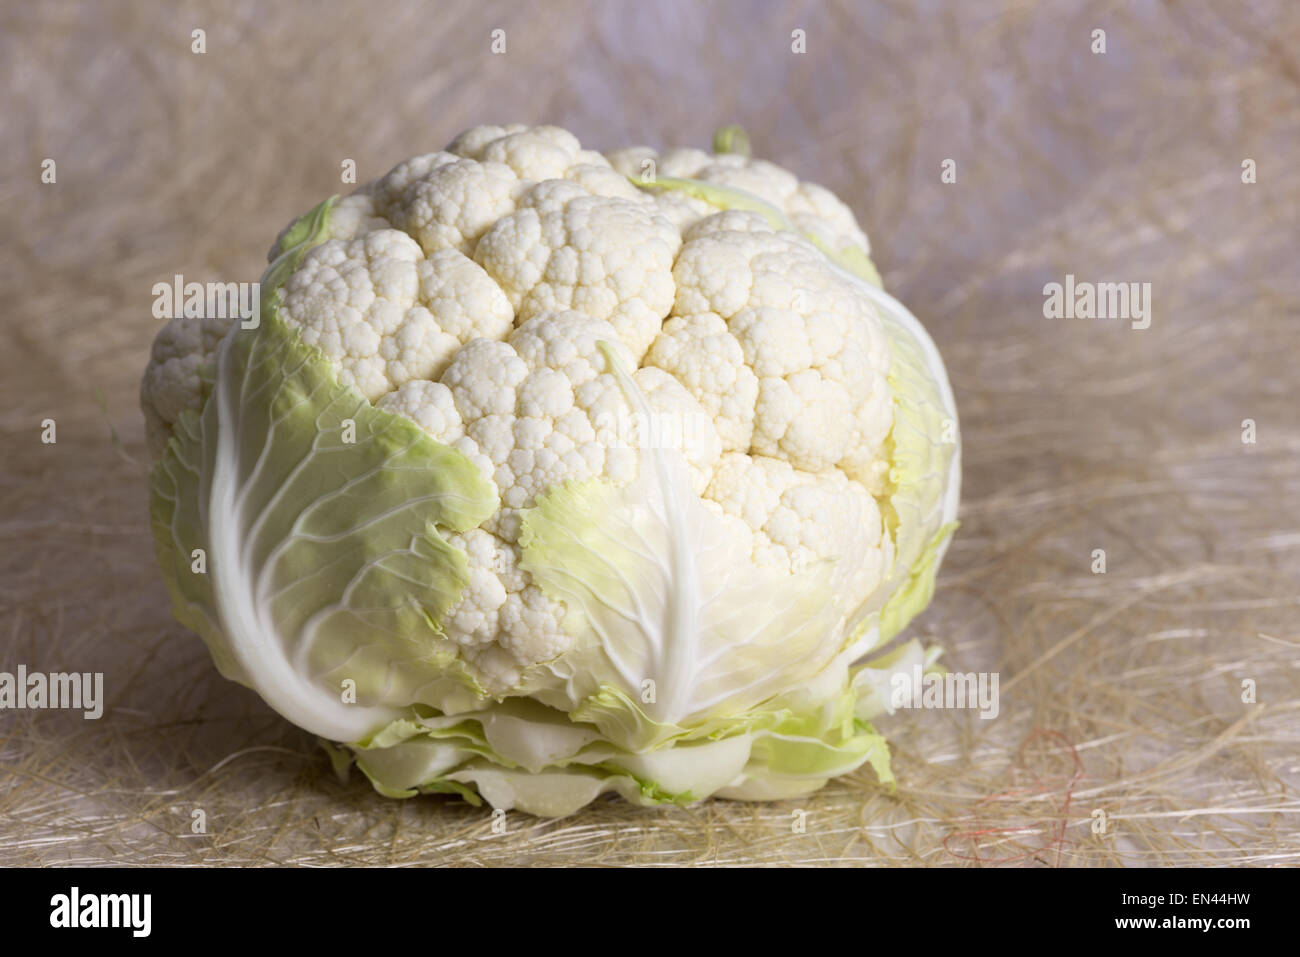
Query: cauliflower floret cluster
470, 290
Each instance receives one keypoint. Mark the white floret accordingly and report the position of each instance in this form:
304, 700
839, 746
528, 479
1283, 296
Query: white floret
808, 334
537, 153
811, 208
173, 381
385, 313
544, 407
815, 209
463, 299
473, 622
599, 179
677, 421
452, 204
607, 257
799, 519
354, 216
703, 355
430, 405
502, 622
471, 289
472, 142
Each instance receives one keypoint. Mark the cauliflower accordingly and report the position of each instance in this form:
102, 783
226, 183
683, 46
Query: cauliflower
543, 477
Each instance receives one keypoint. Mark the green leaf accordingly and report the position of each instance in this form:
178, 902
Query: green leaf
722, 197
307, 231
731, 139
321, 520
650, 582
924, 483
913, 596
546, 765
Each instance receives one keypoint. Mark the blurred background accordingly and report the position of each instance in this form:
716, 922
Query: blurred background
1122, 692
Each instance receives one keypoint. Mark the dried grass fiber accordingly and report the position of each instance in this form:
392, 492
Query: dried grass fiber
1120, 692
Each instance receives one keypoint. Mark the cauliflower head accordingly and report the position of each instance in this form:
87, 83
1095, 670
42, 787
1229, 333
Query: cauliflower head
547, 473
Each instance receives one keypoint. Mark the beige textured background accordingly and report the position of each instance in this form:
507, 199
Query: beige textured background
1120, 692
